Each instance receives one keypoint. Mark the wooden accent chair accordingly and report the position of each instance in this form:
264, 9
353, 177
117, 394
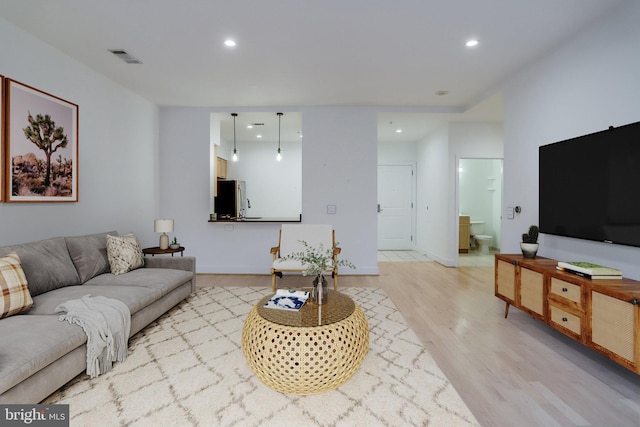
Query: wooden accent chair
290, 241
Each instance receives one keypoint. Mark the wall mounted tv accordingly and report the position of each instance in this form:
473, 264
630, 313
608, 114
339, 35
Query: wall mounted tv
589, 186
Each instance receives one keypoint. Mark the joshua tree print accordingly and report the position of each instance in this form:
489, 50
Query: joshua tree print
42, 131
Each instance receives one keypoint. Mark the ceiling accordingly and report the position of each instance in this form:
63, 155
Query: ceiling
393, 55
264, 127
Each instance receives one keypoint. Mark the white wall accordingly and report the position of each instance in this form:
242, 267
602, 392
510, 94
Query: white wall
584, 86
117, 148
338, 168
390, 153
274, 188
434, 225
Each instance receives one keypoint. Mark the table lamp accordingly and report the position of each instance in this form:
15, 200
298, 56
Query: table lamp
163, 226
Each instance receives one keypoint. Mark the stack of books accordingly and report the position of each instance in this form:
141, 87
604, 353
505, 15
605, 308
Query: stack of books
590, 271
285, 299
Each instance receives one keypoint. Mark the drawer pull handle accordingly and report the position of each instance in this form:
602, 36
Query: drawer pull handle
564, 319
565, 290
635, 301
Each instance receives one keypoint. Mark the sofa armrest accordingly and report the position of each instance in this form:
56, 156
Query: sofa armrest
187, 263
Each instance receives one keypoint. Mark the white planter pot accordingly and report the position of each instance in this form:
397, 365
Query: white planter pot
529, 250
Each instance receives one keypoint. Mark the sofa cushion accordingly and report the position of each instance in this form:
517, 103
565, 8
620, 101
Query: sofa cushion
14, 293
46, 264
135, 297
124, 253
36, 341
163, 279
89, 254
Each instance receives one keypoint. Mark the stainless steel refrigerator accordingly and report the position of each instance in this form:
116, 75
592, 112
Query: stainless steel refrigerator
231, 201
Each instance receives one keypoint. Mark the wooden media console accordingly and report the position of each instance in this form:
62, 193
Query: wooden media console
601, 314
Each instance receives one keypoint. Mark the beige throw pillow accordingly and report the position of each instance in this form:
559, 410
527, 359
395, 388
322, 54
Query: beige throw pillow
14, 293
124, 253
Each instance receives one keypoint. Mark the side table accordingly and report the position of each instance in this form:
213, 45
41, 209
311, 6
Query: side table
157, 251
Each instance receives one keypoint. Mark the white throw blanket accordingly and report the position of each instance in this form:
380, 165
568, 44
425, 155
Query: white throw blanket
107, 323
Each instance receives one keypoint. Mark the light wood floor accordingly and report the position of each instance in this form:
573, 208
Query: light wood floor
510, 372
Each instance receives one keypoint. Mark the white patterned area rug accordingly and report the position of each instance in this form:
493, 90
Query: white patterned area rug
187, 369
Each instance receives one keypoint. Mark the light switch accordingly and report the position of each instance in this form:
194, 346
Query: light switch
331, 209
509, 213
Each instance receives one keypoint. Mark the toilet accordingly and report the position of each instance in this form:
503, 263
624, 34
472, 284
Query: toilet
482, 240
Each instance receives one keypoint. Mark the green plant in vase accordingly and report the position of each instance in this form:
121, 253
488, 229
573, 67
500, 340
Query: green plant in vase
317, 261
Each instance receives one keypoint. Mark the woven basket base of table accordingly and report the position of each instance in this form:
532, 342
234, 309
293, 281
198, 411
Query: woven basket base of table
305, 360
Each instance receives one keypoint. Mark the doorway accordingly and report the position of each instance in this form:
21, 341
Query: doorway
480, 198
396, 213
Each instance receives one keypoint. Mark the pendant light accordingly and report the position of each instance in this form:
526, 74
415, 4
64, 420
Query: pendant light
279, 155
235, 156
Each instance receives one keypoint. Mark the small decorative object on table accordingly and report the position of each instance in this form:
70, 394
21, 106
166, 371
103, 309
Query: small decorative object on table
529, 245
288, 300
174, 243
590, 270
317, 261
163, 226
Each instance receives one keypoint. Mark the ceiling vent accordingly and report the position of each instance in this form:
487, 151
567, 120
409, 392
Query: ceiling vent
122, 54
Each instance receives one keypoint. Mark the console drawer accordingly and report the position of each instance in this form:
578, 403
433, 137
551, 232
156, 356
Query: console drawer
565, 319
567, 290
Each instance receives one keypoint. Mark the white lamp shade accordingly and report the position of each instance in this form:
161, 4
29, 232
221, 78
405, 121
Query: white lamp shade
163, 226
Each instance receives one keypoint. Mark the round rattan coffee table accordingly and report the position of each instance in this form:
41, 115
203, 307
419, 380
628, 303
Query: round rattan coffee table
309, 351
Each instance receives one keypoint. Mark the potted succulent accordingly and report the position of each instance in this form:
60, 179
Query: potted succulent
529, 245
317, 261
174, 243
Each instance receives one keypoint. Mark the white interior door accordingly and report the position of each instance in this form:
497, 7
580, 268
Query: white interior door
395, 207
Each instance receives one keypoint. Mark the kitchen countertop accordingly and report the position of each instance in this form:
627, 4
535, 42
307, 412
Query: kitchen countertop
259, 219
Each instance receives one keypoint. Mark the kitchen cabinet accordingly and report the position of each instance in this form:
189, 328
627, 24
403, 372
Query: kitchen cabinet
221, 168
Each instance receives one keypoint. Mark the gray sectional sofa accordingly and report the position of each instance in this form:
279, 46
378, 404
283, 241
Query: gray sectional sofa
38, 352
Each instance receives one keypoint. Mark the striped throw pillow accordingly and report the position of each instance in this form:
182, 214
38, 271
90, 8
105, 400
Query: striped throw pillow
14, 293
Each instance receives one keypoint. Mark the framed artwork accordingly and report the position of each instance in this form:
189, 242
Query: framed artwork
41, 146
2, 167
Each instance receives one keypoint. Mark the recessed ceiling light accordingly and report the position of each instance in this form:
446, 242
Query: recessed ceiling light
258, 136
398, 130
471, 43
229, 43
249, 126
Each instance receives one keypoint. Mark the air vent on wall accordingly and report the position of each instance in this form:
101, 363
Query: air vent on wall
122, 54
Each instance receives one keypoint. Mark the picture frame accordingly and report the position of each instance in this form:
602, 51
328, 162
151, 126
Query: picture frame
2, 167
41, 145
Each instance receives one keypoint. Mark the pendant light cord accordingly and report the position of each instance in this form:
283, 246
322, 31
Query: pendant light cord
279, 156
235, 152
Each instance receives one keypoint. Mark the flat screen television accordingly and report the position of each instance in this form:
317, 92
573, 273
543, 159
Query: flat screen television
589, 186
